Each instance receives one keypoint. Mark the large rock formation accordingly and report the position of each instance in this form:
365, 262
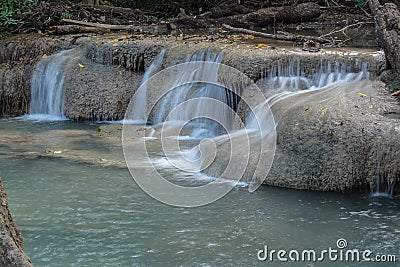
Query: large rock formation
11, 244
336, 139
338, 145
111, 72
18, 56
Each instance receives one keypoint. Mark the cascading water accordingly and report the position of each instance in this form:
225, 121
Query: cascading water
47, 96
289, 76
284, 81
200, 70
383, 187
175, 115
140, 103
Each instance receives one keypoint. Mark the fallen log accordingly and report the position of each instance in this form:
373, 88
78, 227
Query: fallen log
74, 29
387, 30
272, 15
110, 13
133, 28
262, 17
282, 37
104, 26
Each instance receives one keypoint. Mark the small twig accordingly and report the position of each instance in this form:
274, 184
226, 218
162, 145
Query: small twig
336, 4
366, 13
191, 37
286, 37
342, 30
18, 28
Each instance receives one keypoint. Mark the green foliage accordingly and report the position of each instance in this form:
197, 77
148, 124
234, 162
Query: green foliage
12, 12
167, 8
360, 3
151, 19
65, 15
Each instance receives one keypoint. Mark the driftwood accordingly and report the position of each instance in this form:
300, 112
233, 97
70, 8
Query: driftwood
144, 28
73, 29
387, 30
103, 26
283, 37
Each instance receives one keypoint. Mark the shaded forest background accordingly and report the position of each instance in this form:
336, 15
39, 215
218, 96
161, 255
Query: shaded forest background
36, 15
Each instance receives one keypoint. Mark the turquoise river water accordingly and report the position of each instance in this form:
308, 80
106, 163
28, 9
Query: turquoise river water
76, 212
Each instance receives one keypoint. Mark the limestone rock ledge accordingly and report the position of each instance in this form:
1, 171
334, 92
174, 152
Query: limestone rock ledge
330, 140
102, 89
11, 244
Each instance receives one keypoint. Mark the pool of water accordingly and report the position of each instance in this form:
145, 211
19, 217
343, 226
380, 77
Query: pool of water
79, 213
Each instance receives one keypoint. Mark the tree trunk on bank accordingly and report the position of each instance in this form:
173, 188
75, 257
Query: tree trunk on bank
11, 253
387, 29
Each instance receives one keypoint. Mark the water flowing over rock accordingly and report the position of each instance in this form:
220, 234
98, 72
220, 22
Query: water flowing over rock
47, 96
140, 104
330, 138
289, 74
291, 93
18, 55
287, 80
329, 124
112, 72
198, 82
330, 113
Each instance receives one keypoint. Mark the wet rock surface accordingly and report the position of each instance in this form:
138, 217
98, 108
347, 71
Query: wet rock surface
97, 92
113, 70
66, 145
113, 66
321, 146
332, 140
18, 56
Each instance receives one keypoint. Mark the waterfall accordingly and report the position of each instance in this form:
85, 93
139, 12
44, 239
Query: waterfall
176, 107
289, 77
284, 81
286, 78
189, 107
383, 187
47, 96
140, 100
